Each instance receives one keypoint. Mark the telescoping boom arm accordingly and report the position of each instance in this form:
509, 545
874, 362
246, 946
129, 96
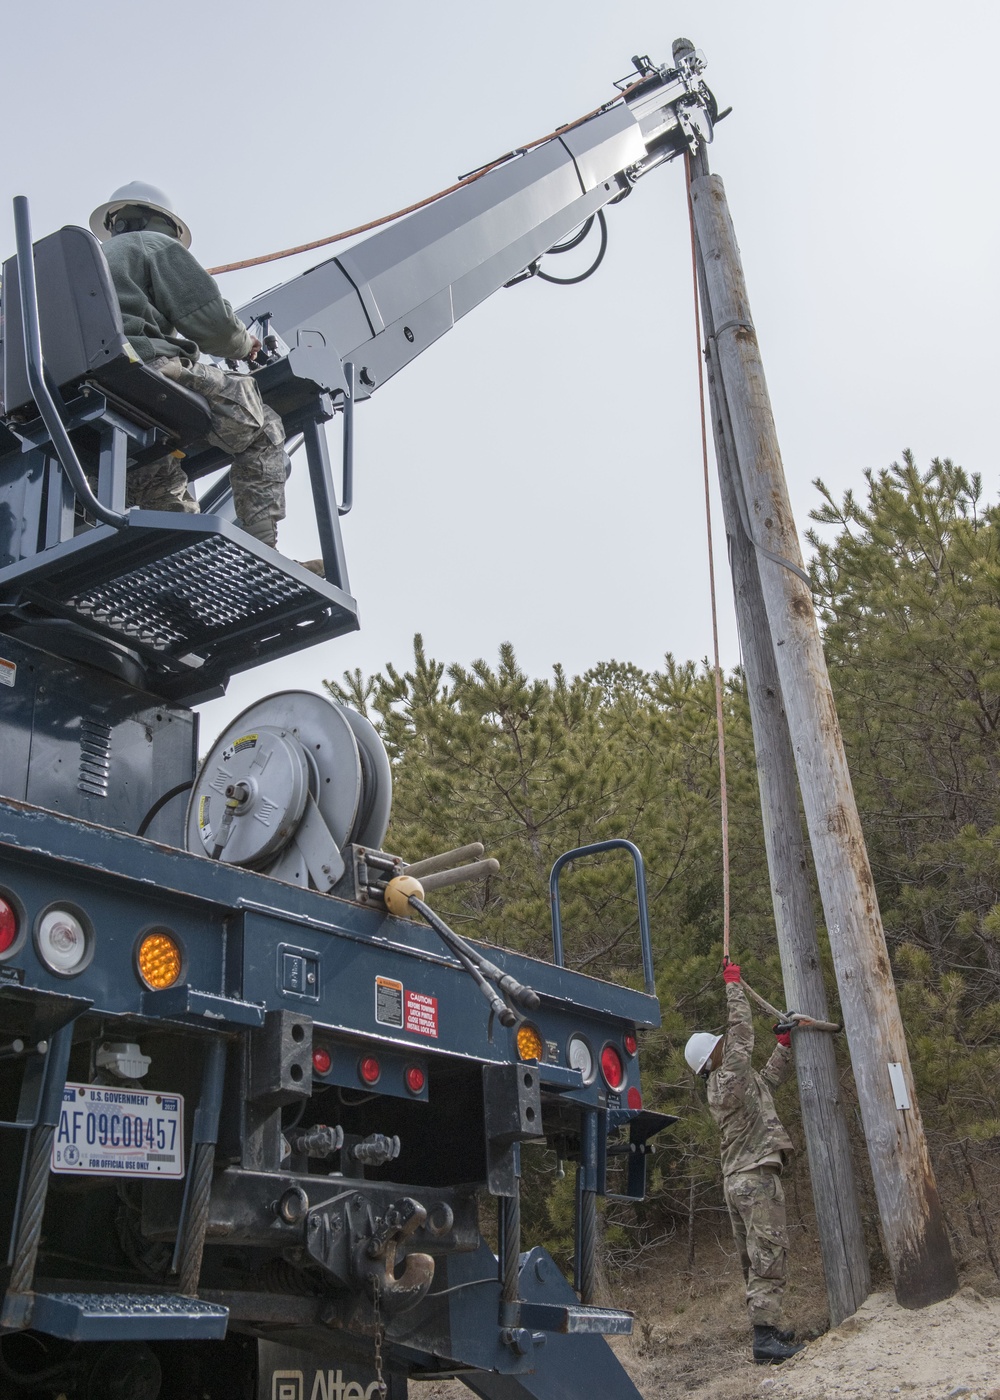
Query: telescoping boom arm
388, 297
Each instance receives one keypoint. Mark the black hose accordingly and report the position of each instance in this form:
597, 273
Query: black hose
468, 958
574, 240
159, 804
480, 969
582, 276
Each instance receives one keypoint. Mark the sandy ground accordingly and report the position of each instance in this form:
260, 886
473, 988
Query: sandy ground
947, 1352
950, 1349
693, 1347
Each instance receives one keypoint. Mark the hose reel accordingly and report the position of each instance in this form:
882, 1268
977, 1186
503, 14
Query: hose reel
287, 786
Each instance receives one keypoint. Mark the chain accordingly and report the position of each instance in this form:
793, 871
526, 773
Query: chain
383, 1389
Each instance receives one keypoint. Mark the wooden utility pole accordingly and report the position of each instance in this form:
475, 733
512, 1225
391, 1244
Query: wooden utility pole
913, 1229
835, 1197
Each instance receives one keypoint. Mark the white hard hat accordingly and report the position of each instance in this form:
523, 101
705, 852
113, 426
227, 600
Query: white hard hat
137, 192
698, 1050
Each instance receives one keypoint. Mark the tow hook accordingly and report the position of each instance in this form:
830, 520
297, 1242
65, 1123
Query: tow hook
377, 1258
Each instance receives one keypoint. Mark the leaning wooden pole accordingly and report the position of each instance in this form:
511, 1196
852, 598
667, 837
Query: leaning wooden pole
831, 1170
909, 1207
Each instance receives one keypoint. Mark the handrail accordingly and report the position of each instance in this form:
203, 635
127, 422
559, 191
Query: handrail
618, 843
35, 366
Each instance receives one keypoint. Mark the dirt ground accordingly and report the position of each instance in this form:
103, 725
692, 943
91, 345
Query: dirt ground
691, 1340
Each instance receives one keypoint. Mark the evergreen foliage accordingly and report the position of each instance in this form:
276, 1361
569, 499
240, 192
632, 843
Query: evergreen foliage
907, 584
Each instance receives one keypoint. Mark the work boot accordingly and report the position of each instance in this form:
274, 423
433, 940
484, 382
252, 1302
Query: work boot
315, 566
769, 1348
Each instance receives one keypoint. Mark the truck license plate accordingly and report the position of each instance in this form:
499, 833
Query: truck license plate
105, 1131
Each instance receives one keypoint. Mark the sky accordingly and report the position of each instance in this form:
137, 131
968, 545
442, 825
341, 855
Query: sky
536, 476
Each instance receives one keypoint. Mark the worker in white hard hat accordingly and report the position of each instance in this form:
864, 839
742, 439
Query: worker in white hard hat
173, 312
755, 1148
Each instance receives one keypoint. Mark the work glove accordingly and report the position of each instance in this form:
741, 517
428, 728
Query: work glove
730, 972
782, 1034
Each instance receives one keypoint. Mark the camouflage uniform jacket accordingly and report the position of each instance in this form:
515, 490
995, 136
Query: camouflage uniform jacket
170, 305
740, 1099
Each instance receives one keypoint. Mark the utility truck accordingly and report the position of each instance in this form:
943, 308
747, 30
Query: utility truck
260, 1108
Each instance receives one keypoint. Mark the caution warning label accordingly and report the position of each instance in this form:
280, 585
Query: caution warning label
421, 1014
388, 1002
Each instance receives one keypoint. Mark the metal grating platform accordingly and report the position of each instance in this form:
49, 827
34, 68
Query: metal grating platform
187, 598
196, 599
105, 1317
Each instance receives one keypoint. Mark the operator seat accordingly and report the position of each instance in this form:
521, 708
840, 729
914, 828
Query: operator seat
85, 345
191, 598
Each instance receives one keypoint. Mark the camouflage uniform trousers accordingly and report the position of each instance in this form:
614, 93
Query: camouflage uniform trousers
756, 1204
241, 425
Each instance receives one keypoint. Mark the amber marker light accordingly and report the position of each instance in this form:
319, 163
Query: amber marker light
159, 960
529, 1043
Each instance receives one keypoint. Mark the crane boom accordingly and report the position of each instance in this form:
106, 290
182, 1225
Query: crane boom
387, 298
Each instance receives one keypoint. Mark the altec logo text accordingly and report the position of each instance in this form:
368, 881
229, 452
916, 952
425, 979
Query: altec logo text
326, 1385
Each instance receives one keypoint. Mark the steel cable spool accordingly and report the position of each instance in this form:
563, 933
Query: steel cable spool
287, 786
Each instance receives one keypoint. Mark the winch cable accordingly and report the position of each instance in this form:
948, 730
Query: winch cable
717, 669
789, 1020
405, 892
784, 1020
432, 198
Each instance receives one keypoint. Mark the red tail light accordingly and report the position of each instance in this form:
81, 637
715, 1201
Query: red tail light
370, 1069
631, 1043
634, 1098
612, 1067
8, 925
322, 1060
415, 1079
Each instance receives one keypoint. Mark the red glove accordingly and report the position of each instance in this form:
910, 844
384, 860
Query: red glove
784, 1038
731, 972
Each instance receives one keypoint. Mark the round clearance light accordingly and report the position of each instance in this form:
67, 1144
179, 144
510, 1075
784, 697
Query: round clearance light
9, 925
415, 1079
159, 960
64, 940
612, 1067
631, 1043
322, 1060
634, 1099
370, 1070
581, 1057
529, 1043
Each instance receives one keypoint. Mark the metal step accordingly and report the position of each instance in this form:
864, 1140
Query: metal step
575, 1318
194, 597
106, 1317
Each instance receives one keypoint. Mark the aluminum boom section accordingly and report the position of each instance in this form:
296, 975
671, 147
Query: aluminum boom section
388, 297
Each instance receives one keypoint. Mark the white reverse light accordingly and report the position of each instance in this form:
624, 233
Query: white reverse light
65, 944
581, 1057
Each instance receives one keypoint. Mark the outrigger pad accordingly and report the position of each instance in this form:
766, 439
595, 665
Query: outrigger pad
195, 597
